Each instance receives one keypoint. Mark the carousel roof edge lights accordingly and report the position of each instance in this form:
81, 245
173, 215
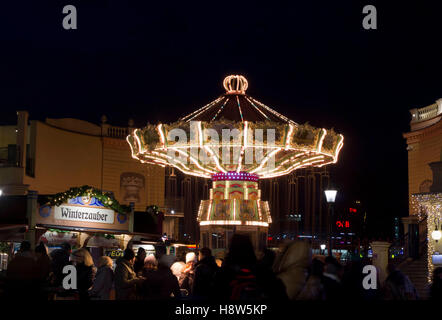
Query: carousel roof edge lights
276, 144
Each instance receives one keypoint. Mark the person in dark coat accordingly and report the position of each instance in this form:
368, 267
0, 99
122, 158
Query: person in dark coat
436, 286
162, 284
331, 279
22, 275
314, 289
139, 261
352, 282
104, 280
43, 264
60, 258
126, 280
240, 278
273, 287
85, 271
398, 286
205, 271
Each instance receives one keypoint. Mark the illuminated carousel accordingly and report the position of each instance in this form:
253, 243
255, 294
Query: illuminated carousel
235, 140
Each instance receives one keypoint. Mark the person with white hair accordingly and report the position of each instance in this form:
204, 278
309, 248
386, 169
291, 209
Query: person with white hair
103, 280
162, 284
150, 262
177, 269
188, 274
150, 265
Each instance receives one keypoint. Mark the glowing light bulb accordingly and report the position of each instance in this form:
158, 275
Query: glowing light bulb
436, 235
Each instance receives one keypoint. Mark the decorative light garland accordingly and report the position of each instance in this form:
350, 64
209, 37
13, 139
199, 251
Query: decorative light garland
220, 109
240, 81
429, 205
232, 175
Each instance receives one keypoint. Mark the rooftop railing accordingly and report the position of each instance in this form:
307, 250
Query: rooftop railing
117, 132
426, 113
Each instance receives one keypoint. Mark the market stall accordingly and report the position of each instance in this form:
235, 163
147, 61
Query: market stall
83, 217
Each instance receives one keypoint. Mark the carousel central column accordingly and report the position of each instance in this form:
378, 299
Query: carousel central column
235, 206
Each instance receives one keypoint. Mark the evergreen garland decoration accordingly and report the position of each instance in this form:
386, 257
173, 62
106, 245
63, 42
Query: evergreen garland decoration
106, 198
58, 230
4, 247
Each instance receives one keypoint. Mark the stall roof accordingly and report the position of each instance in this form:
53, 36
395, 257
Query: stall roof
82, 229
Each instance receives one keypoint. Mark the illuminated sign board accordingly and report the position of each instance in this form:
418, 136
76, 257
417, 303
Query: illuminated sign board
114, 254
82, 212
343, 224
86, 214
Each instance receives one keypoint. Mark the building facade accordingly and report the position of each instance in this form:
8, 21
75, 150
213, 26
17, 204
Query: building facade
55, 155
424, 145
39, 159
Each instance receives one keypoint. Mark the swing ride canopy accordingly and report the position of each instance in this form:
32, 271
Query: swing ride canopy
268, 136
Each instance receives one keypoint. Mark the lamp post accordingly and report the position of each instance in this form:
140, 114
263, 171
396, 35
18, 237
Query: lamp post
330, 195
322, 248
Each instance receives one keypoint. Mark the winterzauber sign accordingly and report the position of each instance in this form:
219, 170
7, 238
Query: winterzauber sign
77, 213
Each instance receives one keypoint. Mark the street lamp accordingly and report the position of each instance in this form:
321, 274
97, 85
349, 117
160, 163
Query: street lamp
323, 247
1, 192
436, 235
330, 195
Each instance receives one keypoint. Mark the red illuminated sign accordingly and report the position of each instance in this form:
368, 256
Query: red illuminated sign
353, 210
343, 224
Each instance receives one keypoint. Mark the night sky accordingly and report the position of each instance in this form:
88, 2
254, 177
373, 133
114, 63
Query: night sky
311, 61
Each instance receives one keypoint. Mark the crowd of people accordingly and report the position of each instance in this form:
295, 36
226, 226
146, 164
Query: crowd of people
290, 273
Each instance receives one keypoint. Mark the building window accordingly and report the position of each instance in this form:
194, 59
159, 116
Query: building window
219, 240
